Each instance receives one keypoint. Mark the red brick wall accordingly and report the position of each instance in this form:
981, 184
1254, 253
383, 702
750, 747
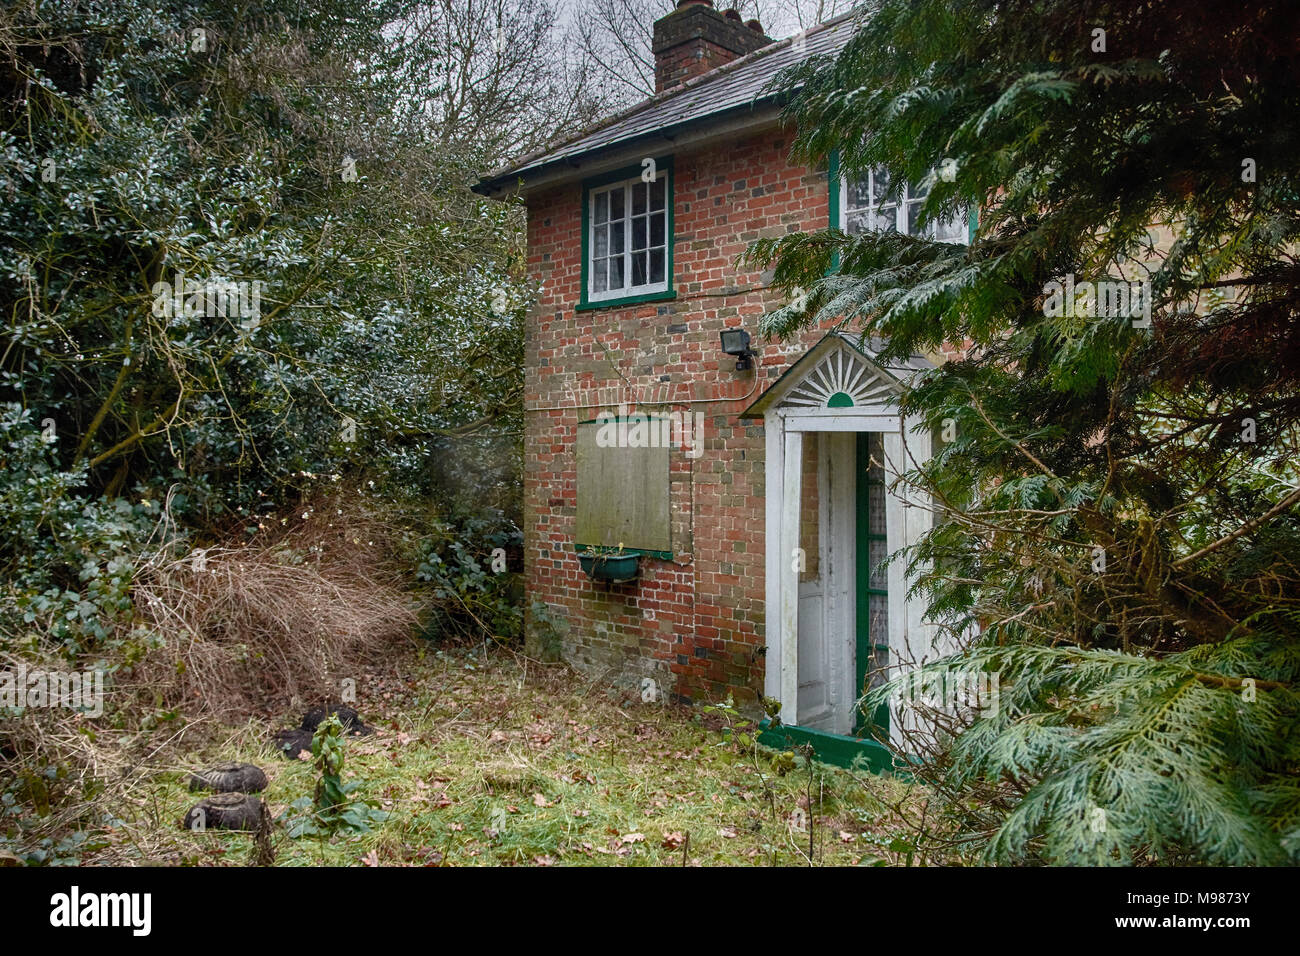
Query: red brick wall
688, 61
694, 624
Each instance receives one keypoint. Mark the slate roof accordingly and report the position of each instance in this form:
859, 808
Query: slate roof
736, 86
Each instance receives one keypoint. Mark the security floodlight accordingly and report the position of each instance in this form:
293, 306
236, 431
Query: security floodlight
736, 342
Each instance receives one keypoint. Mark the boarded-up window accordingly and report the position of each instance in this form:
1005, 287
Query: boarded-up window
623, 491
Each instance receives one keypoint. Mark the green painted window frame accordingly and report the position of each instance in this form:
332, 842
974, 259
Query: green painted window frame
834, 184
663, 166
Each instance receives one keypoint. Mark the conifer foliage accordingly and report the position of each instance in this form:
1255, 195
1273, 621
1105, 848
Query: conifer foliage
1116, 529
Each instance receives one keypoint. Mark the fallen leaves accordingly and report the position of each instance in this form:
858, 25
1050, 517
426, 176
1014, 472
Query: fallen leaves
539, 735
645, 790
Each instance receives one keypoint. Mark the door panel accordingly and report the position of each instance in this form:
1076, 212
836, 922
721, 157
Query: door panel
826, 632
814, 687
816, 700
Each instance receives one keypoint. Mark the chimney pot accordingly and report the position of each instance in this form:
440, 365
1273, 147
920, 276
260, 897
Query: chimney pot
694, 3
754, 25
733, 14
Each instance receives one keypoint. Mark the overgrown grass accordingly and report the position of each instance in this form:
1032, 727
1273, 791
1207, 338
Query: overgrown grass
483, 758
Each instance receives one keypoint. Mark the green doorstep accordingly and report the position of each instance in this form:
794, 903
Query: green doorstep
834, 749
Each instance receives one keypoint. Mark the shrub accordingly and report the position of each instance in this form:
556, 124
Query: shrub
472, 565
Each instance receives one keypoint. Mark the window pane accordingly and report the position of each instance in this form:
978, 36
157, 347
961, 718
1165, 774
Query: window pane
858, 192
616, 237
602, 207
656, 265
638, 232
598, 283
657, 224
868, 206
600, 248
914, 219
956, 229
879, 611
616, 204
880, 179
616, 273
875, 483
658, 189
879, 578
885, 218
639, 191
638, 268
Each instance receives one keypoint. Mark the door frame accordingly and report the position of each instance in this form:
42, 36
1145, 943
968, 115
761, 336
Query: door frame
906, 442
865, 641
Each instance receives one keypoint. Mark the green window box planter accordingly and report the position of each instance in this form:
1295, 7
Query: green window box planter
613, 568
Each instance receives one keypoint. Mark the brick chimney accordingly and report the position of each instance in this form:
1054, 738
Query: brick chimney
695, 38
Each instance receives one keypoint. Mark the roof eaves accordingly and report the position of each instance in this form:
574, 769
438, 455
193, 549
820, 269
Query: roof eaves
669, 132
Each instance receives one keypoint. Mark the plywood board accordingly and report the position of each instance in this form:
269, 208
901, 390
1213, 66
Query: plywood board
623, 494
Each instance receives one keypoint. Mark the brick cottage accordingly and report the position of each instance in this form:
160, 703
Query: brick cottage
751, 497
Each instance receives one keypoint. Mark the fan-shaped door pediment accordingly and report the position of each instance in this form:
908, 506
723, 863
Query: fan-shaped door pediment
842, 379
838, 375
